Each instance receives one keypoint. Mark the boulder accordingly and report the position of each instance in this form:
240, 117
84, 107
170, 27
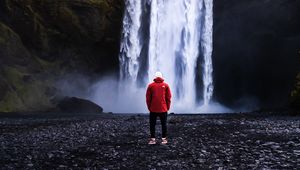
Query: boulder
78, 105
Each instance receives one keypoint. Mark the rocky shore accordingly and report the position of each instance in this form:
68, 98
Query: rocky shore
114, 141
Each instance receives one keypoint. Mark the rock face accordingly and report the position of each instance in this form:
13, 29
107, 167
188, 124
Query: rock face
41, 41
256, 51
77, 105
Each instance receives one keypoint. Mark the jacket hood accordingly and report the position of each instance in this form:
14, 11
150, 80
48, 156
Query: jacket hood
158, 80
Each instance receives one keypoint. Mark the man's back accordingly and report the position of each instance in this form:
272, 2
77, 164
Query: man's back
158, 96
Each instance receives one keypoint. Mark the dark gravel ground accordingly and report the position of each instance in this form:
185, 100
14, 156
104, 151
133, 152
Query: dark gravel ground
120, 142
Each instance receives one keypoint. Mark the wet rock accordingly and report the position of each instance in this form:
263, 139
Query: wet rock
77, 105
175, 120
30, 165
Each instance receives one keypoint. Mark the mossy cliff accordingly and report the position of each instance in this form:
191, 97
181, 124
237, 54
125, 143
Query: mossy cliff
42, 40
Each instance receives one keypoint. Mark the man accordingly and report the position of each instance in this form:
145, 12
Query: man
158, 99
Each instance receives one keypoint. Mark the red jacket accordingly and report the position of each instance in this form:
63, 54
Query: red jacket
158, 96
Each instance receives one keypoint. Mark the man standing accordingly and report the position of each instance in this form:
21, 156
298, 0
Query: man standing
158, 98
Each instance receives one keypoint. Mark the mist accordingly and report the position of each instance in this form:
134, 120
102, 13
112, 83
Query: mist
124, 97
119, 96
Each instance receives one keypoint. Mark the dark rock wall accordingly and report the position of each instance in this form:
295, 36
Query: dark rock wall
256, 51
64, 30
42, 40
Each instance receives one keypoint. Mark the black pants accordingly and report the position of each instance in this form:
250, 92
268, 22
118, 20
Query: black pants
163, 120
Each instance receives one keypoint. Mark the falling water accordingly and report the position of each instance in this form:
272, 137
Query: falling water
179, 39
206, 40
130, 44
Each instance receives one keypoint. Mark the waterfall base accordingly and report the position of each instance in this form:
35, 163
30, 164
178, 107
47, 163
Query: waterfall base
125, 97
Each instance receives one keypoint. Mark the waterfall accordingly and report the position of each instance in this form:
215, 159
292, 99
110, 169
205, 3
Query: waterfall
179, 40
130, 44
206, 40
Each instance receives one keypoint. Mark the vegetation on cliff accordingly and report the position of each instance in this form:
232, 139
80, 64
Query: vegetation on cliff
42, 40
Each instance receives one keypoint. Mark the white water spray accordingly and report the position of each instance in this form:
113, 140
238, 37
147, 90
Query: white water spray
180, 37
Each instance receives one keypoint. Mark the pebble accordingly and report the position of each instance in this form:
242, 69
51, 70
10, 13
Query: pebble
195, 143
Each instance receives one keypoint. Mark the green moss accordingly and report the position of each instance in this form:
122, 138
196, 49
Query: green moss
24, 96
4, 33
2, 40
11, 103
7, 34
14, 76
68, 16
46, 65
30, 97
5, 29
102, 4
97, 2
49, 24
34, 97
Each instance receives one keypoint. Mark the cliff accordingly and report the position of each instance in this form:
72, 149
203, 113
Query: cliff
43, 40
256, 53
